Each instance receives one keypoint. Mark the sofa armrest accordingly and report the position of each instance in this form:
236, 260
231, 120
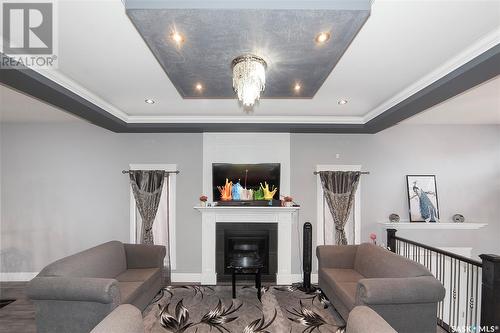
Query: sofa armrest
362, 319
421, 289
124, 319
336, 256
144, 256
74, 289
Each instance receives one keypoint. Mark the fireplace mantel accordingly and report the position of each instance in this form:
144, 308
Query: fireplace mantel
285, 217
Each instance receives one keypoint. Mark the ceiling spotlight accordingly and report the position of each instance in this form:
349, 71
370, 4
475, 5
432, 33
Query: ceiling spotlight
297, 87
149, 101
342, 101
322, 37
177, 38
199, 86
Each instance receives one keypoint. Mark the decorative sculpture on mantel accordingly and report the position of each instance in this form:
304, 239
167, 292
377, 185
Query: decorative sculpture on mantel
226, 191
268, 195
246, 194
237, 189
237, 192
258, 194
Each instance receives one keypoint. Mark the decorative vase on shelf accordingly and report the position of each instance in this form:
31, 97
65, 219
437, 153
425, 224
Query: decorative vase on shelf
394, 218
287, 201
203, 201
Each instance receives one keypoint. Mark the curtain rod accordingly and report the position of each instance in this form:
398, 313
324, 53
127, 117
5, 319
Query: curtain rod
363, 172
167, 172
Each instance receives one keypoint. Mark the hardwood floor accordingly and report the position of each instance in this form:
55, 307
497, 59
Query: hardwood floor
19, 316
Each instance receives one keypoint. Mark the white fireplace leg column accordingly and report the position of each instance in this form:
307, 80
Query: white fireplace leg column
284, 274
208, 274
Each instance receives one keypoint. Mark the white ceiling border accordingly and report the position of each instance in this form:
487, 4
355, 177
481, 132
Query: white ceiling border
247, 119
481, 46
77, 89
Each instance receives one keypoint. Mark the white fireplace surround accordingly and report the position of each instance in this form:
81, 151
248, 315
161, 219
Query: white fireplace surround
285, 217
247, 148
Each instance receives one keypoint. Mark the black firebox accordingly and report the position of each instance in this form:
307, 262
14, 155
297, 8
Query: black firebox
236, 239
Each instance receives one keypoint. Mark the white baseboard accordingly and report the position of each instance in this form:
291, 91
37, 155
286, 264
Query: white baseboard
17, 276
294, 278
186, 277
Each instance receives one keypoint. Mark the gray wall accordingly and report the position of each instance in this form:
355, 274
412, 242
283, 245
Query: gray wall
62, 189
465, 160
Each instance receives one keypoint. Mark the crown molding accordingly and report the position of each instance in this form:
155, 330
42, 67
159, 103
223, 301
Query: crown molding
64, 81
481, 46
246, 119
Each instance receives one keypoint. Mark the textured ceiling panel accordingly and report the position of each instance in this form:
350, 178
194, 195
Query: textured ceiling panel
214, 37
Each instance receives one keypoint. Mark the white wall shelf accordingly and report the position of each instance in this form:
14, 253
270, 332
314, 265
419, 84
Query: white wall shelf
440, 225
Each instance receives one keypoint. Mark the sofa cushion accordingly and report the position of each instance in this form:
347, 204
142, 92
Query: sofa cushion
138, 274
375, 262
132, 290
343, 282
103, 261
129, 291
343, 274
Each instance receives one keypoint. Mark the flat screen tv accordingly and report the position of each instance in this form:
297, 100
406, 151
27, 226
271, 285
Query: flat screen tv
252, 174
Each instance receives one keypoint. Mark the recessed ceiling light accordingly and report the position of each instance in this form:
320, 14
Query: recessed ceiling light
297, 87
177, 37
322, 37
342, 101
149, 101
199, 86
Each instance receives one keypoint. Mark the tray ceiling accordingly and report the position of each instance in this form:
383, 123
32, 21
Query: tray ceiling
403, 60
285, 39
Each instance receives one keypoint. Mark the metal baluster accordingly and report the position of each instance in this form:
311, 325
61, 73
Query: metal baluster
458, 292
471, 302
443, 274
438, 276
430, 259
477, 297
467, 297
455, 292
451, 291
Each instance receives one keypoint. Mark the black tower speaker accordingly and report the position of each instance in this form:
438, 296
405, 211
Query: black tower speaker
307, 258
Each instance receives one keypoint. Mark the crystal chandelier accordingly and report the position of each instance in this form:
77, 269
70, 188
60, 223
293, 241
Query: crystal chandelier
249, 78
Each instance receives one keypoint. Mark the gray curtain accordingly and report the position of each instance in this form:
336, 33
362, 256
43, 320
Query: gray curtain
339, 188
147, 186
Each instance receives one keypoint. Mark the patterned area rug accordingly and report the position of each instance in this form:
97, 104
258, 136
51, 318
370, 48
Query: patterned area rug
199, 309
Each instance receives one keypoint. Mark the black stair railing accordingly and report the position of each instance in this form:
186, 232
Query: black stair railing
472, 301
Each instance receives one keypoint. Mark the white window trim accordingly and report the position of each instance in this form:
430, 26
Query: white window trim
320, 239
171, 207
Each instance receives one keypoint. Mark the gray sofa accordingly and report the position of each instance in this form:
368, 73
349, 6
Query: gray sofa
362, 319
125, 318
402, 291
75, 293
